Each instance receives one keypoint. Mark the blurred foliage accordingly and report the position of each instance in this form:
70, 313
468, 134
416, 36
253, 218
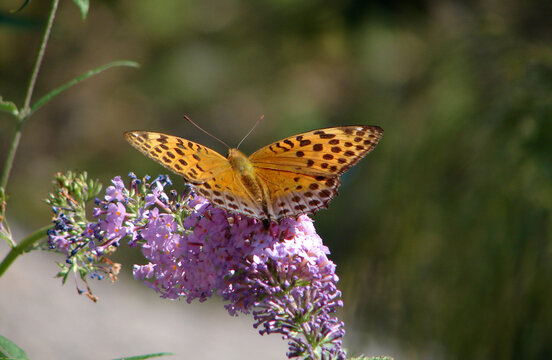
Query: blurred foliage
442, 235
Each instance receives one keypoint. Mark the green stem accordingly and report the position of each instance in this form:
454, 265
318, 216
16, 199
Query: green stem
22, 247
32, 81
25, 111
11, 155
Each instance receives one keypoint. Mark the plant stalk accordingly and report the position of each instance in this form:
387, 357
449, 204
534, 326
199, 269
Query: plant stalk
11, 155
40, 56
22, 247
25, 111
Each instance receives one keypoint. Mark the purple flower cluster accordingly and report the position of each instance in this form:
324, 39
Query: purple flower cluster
281, 273
71, 233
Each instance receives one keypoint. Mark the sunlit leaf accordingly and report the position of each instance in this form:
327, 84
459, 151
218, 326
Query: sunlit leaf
83, 7
8, 106
8, 350
143, 357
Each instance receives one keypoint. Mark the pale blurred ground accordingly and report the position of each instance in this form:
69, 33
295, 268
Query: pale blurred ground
50, 321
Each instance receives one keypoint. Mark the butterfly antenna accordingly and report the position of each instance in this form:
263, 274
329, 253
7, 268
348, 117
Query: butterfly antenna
206, 132
250, 131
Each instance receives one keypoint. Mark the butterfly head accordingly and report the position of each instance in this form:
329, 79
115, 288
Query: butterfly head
239, 161
235, 153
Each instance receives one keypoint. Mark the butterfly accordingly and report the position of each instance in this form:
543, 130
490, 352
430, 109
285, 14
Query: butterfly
293, 176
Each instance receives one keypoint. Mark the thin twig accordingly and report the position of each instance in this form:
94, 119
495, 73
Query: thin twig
25, 111
23, 246
41, 51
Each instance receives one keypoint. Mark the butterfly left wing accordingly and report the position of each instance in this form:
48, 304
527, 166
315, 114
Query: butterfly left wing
207, 171
194, 162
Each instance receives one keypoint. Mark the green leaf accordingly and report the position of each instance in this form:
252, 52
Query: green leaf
83, 7
142, 357
8, 350
43, 100
9, 107
22, 6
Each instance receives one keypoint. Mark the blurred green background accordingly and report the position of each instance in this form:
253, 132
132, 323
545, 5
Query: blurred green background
442, 235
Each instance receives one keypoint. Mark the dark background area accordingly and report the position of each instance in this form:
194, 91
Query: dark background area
442, 235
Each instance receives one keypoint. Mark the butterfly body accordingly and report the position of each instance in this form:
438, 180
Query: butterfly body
244, 172
293, 176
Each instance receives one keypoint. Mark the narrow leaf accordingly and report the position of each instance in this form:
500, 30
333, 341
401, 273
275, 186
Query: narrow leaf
83, 7
9, 107
8, 350
22, 6
143, 357
43, 100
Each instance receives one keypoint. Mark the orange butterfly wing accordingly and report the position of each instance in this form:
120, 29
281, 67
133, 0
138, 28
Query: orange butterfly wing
302, 172
292, 194
228, 192
209, 172
194, 162
330, 151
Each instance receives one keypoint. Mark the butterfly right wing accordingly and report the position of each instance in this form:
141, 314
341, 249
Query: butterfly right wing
292, 194
206, 170
327, 152
302, 172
